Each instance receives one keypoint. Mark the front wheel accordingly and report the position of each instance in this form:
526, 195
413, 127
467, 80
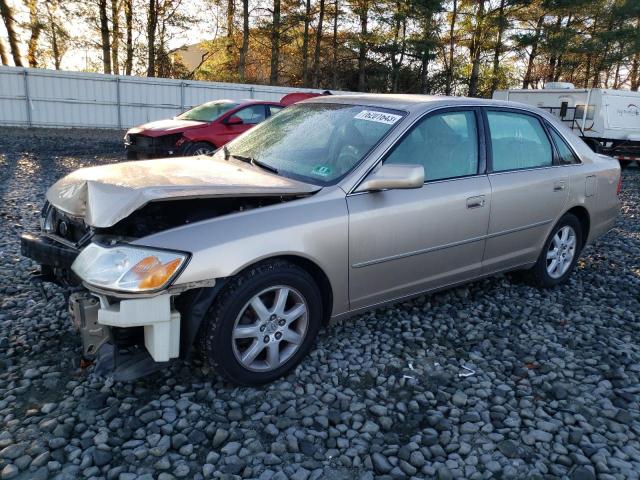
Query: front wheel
263, 324
559, 254
199, 148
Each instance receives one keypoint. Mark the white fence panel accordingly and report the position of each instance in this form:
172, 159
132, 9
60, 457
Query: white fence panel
48, 98
13, 108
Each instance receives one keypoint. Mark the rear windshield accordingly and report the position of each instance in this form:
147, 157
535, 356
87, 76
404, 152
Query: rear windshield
207, 112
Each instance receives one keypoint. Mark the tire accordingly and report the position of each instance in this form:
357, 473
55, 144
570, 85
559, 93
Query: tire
198, 148
543, 274
233, 316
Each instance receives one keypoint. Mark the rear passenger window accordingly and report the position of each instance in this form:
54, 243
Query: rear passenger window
274, 109
251, 115
518, 141
446, 144
565, 154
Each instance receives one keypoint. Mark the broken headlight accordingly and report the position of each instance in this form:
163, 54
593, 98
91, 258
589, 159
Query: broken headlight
47, 220
128, 268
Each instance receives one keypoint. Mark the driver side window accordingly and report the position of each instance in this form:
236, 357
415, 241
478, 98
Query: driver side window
446, 144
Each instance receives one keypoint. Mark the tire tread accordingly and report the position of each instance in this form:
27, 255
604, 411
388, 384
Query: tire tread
212, 320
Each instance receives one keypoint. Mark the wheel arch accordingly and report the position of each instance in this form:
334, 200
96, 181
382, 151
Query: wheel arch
582, 214
321, 279
192, 141
313, 269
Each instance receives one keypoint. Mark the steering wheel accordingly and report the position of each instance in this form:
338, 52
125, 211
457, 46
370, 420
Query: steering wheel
349, 155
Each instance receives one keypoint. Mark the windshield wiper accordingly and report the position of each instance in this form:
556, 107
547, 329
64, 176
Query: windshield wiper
266, 166
250, 160
242, 158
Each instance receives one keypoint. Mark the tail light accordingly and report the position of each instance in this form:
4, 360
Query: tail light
619, 189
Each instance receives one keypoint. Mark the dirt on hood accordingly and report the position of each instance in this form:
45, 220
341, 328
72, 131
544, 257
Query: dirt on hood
104, 195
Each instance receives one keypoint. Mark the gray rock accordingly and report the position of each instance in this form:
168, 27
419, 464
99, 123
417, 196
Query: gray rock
469, 428
31, 373
9, 471
178, 440
459, 399
541, 436
12, 451
181, 470
583, 473
231, 448
378, 410
220, 437
101, 457
270, 459
417, 459
380, 463
559, 391
508, 448
444, 474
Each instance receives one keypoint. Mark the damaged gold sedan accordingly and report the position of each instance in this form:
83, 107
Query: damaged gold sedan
334, 206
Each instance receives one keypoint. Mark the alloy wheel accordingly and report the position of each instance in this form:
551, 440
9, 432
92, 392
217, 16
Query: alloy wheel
561, 252
203, 151
270, 328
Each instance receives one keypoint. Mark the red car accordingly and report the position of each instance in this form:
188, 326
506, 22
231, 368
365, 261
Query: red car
203, 129
198, 131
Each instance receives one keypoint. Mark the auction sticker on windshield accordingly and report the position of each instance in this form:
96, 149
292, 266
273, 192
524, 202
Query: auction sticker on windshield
380, 117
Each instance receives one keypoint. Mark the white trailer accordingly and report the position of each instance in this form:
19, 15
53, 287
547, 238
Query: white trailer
610, 124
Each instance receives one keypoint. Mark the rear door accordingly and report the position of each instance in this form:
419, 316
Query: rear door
406, 241
528, 189
273, 109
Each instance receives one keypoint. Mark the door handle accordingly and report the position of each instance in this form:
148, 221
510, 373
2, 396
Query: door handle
558, 186
476, 202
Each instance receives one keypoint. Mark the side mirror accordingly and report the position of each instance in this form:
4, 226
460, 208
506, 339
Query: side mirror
391, 177
233, 120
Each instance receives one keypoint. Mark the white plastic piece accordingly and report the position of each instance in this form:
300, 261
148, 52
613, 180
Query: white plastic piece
161, 324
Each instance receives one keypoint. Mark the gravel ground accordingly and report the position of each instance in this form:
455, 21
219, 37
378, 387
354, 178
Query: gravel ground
495, 379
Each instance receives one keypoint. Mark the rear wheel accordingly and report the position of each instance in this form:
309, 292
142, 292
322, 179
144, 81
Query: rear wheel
263, 324
199, 148
559, 254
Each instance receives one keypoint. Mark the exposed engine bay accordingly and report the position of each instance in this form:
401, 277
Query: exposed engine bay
159, 216
154, 217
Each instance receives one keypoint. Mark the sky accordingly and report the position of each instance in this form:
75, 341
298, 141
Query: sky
83, 56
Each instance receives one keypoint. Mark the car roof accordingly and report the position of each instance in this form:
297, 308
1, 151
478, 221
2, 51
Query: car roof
414, 103
250, 101
245, 101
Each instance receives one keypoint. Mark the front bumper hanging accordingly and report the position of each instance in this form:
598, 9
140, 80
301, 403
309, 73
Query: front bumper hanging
47, 251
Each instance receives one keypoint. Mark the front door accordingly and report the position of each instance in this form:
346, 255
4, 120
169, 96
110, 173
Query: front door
250, 117
402, 242
528, 193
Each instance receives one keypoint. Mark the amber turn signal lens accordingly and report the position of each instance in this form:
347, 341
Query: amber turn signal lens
154, 274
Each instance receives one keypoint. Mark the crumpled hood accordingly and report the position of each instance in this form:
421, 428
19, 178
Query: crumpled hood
166, 126
106, 194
